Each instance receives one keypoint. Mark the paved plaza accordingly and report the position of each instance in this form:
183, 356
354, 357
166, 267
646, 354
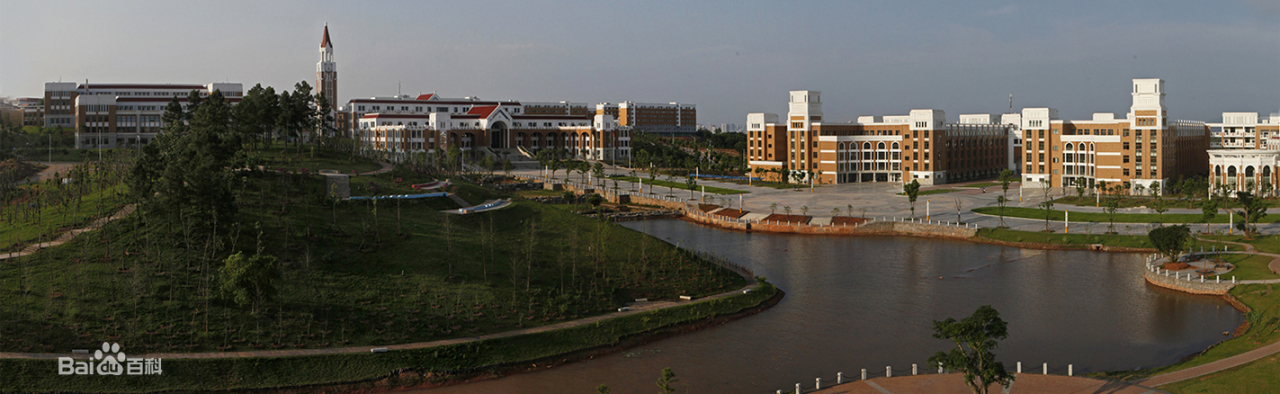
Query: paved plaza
881, 199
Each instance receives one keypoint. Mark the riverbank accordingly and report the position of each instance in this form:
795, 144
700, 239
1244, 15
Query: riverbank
395, 369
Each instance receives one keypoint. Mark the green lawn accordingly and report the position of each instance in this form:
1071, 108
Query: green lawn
1098, 217
1250, 267
1263, 243
677, 185
1259, 376
1128, 241
1149, 202
434, 364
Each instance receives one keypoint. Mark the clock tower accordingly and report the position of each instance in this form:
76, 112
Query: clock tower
327, 72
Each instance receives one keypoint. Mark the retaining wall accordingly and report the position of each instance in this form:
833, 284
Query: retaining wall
1208, 287
872, 228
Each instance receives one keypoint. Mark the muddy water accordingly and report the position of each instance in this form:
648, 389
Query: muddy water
869, 302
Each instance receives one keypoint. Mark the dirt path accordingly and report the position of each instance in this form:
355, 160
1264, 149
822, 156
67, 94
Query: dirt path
57, 167
69, 235
635, 308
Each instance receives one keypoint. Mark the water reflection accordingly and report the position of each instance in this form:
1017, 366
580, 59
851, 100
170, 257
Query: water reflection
868, 302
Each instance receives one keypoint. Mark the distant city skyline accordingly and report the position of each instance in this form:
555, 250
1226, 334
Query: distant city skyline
728, 58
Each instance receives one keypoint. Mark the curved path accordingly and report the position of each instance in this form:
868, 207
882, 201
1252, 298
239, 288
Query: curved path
386, 167
1274, 266
1229, 362
69, 235
953, 383
635, 308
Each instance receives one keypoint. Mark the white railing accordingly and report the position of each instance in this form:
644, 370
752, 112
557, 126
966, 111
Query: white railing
840, 378
1155, 265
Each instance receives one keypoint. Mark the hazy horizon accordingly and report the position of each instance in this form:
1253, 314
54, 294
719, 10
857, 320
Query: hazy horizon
728, 58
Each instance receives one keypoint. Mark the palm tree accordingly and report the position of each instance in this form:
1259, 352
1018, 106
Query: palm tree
835, 211
804, 210
787, 209
773, 208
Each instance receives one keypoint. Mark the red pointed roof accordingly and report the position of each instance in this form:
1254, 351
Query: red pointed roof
324, 42
424, 97
483, 110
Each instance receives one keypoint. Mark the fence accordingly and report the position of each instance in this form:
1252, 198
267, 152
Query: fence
400, 196
889, 371
730, 177
1155, 265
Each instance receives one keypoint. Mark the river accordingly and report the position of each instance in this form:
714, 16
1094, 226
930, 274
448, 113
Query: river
869, 302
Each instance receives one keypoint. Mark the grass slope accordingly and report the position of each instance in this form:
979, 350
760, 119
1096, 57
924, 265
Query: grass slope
440, 363
354, 273
677, 185
1097, 217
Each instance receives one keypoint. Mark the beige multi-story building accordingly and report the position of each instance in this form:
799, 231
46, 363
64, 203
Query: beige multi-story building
1246, 130
114, 115
921, 146
653, 117
1140, 149
1246, 153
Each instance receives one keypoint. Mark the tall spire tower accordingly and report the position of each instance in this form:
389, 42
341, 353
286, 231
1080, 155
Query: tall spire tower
327, 72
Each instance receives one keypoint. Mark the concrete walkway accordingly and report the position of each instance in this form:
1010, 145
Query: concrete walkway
953, 383
386, 167
1226, 363
637, 307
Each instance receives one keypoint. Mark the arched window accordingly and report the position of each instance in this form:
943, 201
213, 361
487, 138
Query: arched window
866, 145
1070, 146
1248, 171
880, 146
1231, 171
1091, 148
1217, 170
895, 146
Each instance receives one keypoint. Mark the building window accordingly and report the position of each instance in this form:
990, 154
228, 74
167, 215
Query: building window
1126, 158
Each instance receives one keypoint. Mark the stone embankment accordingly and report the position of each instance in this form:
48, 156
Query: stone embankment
1205, 286
934, 229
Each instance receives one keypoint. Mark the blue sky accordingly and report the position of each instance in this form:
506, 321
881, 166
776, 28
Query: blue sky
728, 57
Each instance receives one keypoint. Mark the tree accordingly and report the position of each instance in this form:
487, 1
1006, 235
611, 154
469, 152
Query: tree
250, 280
1208, 209
773, 208
692, 184
959, 205
1112, 204
975, 337
1160, 206
602, 389
664, 382
912, 190
1171, 240
597, 170
1006, 177
1080, 187
1047, 204
1252, 210
804, 210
